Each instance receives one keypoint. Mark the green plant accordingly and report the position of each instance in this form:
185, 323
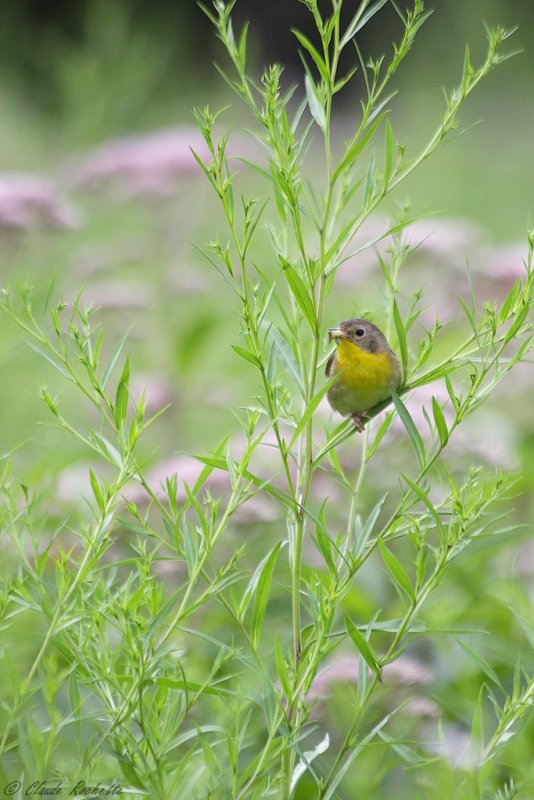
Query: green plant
115, 642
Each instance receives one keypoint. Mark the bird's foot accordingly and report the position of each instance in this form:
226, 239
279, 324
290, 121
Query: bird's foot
358, 420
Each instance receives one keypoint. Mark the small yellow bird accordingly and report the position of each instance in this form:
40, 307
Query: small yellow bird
366, 366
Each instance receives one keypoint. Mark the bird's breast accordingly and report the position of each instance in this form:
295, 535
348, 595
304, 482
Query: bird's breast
365, 379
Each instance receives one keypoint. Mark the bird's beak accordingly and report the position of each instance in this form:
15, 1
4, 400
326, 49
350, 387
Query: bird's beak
336, 333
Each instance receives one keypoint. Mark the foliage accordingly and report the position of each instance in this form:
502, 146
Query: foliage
113, 676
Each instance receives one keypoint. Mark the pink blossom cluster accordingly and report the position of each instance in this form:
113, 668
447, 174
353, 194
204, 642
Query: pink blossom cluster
144, 166
27, 201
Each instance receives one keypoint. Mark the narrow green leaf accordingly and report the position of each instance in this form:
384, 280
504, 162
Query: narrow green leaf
411, 430
287, 358
242, 50
509, 301
248, 356
251, 586
307, 757
363, 647
470, 313
452, 394
131, 778
477, 726
356, 147
300, 293
363, 678
193, 687
370, 182
359, 21
190, 548
260, 170
97, 492
401, 338
378, 112
113, 360
310, 409
397, 571
325, 544
281, 668
408, 754
515, 326
49, 402
482, 664
51, 360
217, 462
423, 497
367, 529
271, 365
315, 104
420, 566
389, 148
441, 425
314, 53
122, 395
208, 468
382, 430
339, 84
261, 595
105, 447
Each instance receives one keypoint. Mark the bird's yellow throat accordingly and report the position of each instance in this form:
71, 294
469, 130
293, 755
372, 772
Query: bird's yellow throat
359, 366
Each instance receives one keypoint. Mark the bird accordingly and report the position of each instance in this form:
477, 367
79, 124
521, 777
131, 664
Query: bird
366, 368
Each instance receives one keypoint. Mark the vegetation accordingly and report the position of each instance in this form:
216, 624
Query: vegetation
280, 621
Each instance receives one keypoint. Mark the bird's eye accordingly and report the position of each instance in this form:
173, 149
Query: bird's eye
359, 332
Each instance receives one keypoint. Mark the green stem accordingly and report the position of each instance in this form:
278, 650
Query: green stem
355, 494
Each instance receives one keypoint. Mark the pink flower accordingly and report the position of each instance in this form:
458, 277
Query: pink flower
444, 239
27, 201
186, 469
157, 389
404, 671
144, 166
502, 265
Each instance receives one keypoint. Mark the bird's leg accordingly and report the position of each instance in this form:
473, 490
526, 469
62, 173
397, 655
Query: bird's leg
358, 420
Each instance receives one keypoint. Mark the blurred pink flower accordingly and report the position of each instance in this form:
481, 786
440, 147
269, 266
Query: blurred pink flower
422, 707
184, 281
488, 435
502, 265
28, 201
259, 508
407, 670
157, 388
452, 240
186, 469
454, 744
154, 165
404, 671
359, 266
419, 401
74, 482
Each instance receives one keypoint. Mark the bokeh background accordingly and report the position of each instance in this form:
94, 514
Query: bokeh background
98, 188
123, 217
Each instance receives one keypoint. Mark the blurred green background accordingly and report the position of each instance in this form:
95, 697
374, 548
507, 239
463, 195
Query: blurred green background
121, 222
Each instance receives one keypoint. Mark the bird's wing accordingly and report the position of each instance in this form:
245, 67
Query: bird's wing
329, 364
